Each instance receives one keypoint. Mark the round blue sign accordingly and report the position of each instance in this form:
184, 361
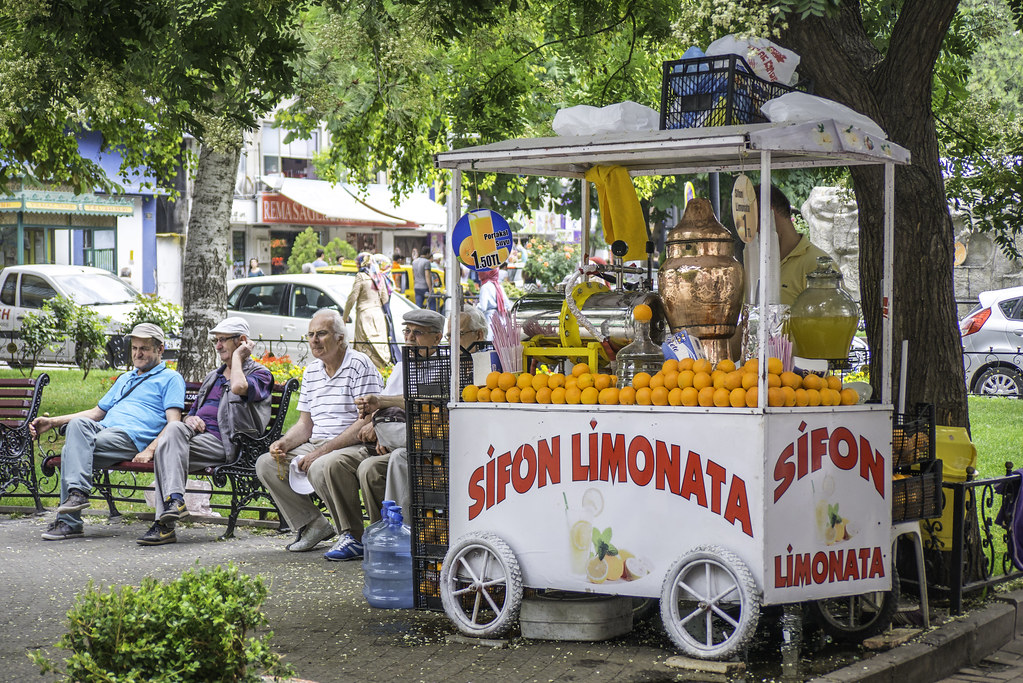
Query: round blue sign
482, 239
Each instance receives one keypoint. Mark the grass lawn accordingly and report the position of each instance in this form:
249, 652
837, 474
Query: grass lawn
996, 426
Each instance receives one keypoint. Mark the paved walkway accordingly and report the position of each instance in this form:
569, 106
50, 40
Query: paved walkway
1004, 665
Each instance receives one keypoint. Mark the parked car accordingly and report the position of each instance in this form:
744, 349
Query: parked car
401, 276
23, 289
278, 308
992, 336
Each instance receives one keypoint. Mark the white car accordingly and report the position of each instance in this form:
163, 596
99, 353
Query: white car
278, 309
23, 289
993, 343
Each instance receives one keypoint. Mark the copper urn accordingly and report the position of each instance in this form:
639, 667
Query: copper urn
701, 281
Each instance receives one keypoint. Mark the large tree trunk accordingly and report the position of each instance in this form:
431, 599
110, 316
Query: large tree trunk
205, 265
895, 90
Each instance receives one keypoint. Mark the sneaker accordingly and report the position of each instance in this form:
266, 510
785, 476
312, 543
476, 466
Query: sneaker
60, 530
173, 510
76, 500
311, 535
158, 534
347, 548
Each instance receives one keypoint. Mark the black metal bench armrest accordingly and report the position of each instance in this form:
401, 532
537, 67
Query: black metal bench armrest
249, 448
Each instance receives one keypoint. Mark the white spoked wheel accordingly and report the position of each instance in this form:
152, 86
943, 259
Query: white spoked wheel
481, 585
710, 603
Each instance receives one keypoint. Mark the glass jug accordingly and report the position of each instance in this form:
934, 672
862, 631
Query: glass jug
823, 318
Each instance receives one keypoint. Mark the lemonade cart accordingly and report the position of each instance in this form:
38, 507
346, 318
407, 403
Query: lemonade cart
713, 511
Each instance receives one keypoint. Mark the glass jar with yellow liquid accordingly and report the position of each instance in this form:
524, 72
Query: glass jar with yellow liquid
823, 318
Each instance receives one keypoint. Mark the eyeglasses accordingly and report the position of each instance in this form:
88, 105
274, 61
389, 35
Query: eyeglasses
223, 340
409, 332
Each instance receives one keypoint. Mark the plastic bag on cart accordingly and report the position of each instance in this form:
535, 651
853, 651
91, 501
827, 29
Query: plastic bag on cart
769, 61
624, 117
797, 107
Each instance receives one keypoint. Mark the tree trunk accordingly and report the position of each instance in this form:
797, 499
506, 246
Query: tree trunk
204, 292
895, 90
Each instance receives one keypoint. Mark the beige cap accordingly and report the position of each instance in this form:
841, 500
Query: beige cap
232, 325
147, 331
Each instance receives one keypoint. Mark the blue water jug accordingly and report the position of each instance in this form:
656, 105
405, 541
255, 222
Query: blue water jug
376, 526
387, 564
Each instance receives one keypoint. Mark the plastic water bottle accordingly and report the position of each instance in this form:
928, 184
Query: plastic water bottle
376, 526
387, 564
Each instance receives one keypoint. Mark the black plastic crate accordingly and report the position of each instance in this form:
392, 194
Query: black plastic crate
428, 471
912, 437
426, 583
918, 494
714, 91
428, 370
429, 531
426, 427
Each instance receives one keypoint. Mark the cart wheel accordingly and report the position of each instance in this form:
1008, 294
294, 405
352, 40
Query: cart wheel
710, 603
858, 617
481, 585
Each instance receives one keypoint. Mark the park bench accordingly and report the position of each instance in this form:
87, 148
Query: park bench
240, 472
19, 405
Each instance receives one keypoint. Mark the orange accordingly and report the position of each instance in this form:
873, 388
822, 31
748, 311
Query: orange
492, 379
721, 397
670, 380
733, 380
701, 380
749, 379
702, 365
641, 379
690, 397
737, 397
706, 396
642, 313
543, 395
513, 395
589, 396
813, 398
685, 364
717, 378
612, 380
834, 382
774, 366
775, 397
601, 382
670, 365
627, 396
812, 381
773, 380
802, 399
830, 397
752, 365
685, 378
726, 365
659, 396
470, 393
556, 380
483, 395
573, 396
584, 380
752, 394
790, 396
524, 380
570, 381
580, 368
657, 380
506, 381
791, 379
558, 395
643, 396
675, 397
539, 382
849, 397
608, 396
528, 395
497, 395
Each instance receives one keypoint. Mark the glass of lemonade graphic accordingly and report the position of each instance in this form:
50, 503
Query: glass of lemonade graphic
580, 535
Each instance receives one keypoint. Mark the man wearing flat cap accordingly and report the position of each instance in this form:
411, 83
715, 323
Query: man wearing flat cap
235, 398
124, 425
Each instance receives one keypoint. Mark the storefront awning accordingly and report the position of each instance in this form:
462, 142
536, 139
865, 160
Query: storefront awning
51, 201
415, 208
351, 205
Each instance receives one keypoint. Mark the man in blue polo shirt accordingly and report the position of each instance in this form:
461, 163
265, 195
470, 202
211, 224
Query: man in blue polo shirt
124, 425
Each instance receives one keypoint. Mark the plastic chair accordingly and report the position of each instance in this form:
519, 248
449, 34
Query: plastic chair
913, 529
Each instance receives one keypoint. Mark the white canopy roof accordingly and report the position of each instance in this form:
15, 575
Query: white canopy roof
348, 202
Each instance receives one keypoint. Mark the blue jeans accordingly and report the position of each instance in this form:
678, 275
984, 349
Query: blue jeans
88, 444
421, 297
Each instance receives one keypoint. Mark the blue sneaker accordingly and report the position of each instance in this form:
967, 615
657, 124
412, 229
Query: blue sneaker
346, 548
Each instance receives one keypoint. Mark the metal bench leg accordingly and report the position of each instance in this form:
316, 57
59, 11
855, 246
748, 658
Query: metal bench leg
106, 490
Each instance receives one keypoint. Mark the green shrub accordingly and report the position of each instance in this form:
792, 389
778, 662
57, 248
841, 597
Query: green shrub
83, 327
149, 308
193, 628
549, 262
39, 331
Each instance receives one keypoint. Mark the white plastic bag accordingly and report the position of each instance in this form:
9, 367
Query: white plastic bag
768, 60
795, 107
624, 117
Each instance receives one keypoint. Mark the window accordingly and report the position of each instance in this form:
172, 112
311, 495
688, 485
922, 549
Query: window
35, 290
9, 289
262, 299
1011, 308
305, 301
235, 297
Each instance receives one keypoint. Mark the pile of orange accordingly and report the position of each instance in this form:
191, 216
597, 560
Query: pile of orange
685, 382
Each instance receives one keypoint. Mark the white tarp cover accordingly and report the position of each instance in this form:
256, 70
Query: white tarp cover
349, 202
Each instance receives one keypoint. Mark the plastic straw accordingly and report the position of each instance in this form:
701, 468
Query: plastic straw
507, 336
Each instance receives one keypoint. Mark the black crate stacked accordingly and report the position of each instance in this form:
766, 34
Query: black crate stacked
916, 488
427, 392
714, 91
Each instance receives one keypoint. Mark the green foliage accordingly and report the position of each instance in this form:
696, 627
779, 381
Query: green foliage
512, 291
549, 262
337, 247
150, 308
39, 331
281, 367
307, 242
83, 327
194, 628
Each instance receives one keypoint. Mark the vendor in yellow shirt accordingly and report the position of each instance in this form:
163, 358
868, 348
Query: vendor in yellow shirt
798, 254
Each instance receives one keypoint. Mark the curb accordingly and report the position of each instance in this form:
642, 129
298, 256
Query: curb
943, 651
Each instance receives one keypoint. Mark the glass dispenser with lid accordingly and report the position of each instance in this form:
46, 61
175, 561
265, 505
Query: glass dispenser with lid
642, 355
823, 317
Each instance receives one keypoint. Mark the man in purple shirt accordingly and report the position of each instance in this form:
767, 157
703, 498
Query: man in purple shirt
234, 398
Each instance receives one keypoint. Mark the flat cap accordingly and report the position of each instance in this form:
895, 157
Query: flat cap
147, 331
232, 325
432, 320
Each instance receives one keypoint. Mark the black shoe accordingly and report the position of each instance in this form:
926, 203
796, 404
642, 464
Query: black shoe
76, 500
173, 510
158, 534
60, 531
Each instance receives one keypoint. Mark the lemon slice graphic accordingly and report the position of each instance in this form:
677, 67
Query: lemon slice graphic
593, 502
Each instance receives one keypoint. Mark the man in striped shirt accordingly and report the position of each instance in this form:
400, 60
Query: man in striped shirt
324, 443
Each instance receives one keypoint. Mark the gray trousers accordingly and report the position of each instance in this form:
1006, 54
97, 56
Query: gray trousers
181, 449
385, 477
334, 478
89, 444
